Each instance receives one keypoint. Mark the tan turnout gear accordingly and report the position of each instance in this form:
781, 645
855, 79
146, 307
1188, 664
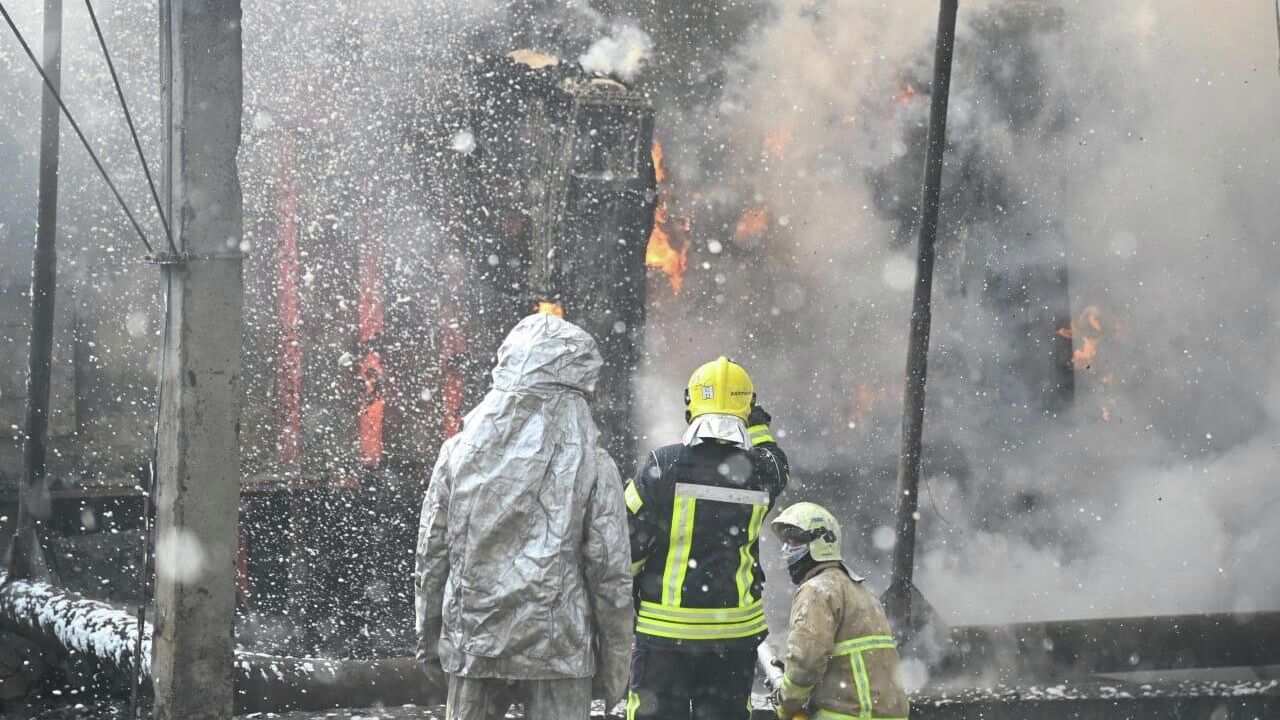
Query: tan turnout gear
841, 661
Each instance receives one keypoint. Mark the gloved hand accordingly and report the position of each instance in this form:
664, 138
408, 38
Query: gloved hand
758, 416
790, 709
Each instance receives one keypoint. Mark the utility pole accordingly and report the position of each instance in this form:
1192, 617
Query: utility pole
898, 597
34, 504
198, 446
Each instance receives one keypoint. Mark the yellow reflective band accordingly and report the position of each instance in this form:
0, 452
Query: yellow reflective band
634, 501
637, 567
747, 561
701, 616
681, 543
722, 494
633, 704
759, 434
861, 644
863, 684
791, 690
824, 714
678, 631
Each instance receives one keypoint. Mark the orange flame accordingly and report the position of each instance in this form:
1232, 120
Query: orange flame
868, 399
752, 224
661, 254
550, 308
370, 331
907, 95
1088, 331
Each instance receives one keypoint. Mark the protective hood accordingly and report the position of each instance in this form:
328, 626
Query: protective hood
523, 557
546, 354
717, 426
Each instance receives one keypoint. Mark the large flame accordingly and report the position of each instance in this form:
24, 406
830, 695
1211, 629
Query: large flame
661, 253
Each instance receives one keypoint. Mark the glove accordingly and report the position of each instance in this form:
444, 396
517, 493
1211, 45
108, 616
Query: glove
790, 709
758, 416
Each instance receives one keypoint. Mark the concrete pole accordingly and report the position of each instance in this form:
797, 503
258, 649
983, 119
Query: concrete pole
34, 504
198, 455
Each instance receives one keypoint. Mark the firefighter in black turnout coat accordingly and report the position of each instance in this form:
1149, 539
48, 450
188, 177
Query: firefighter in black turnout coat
696, 511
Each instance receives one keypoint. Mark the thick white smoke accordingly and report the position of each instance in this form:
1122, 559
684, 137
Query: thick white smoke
1152, 157
623, 53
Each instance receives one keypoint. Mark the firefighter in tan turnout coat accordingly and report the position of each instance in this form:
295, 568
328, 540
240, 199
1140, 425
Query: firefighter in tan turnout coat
841, 662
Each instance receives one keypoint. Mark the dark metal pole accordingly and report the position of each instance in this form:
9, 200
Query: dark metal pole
900, 591
33, 496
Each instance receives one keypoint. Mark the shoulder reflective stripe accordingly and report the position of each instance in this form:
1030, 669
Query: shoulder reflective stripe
862, 683
722, 494
866, 642
747, 560
678, 550
637, 567
632, 495
662, 613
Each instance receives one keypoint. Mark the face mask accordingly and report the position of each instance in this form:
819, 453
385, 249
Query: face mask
794, 554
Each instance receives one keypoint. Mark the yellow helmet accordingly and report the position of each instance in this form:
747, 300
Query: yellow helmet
815, 523
721, 387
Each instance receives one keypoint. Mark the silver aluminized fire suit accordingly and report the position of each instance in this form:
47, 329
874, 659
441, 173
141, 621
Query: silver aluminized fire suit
523, 576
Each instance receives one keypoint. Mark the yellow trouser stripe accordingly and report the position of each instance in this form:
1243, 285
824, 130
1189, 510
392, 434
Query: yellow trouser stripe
747, 561
663, 613
633, 704
632, 495
682, 515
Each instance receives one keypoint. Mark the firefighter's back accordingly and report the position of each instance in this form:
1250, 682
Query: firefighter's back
861, 679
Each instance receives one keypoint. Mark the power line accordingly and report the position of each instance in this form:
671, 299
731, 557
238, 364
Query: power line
75, 126
128, 118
